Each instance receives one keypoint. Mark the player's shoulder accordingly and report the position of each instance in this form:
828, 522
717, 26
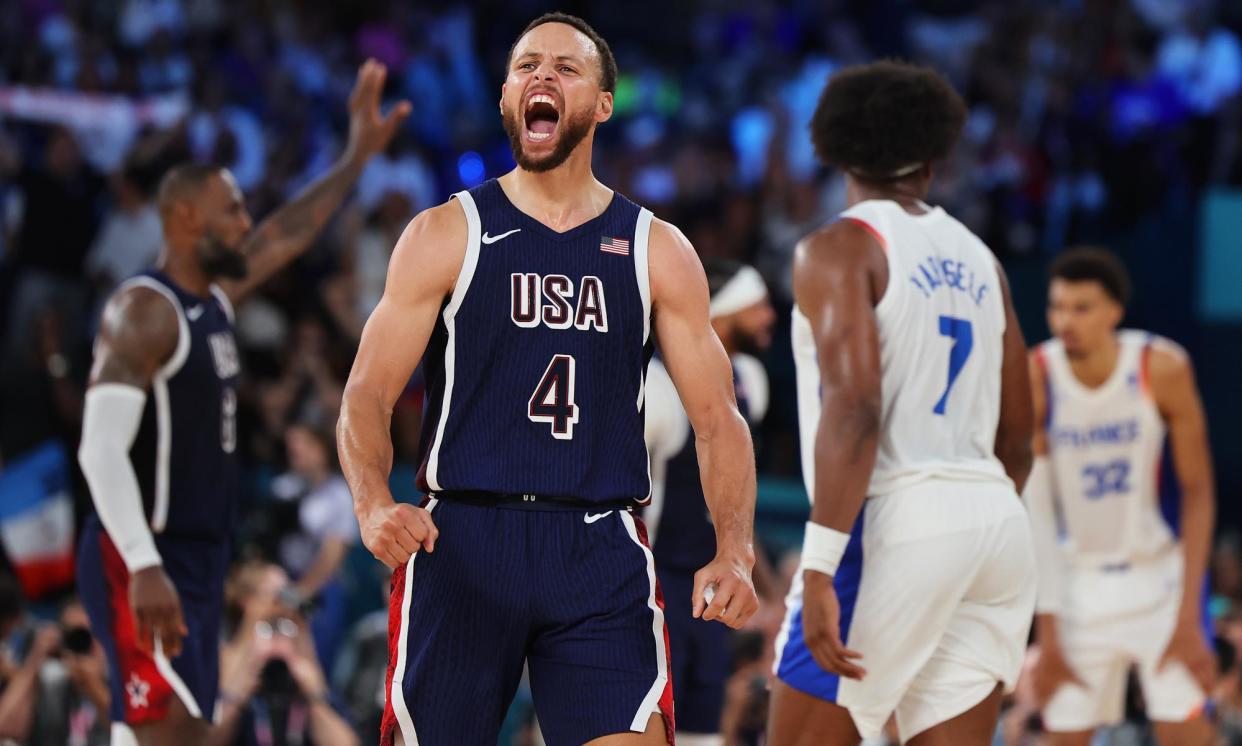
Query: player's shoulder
674, 268
1166, 360
434, 243
141, 322
666, 238
140, 307
445, 220
842, 239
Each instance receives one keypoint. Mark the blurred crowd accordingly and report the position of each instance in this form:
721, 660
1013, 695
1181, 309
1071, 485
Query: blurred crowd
1087, 116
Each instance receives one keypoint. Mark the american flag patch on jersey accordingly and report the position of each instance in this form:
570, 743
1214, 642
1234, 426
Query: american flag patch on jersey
614, 245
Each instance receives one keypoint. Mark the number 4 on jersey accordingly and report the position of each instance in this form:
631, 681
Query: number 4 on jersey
553, 400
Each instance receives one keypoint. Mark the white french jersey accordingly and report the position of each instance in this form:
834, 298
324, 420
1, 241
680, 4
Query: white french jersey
1106, 446
941, 325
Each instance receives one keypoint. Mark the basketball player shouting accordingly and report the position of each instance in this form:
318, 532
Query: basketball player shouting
536, 299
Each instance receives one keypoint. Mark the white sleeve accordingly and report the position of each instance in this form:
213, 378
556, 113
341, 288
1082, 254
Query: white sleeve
1048, 558
110, 421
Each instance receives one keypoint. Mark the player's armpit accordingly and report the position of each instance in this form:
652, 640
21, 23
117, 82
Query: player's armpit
1017, 419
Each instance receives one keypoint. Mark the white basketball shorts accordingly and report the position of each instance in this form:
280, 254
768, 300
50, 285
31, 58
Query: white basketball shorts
1114, 617
937, 591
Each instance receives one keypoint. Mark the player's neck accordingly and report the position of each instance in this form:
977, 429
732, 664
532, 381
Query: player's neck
1095, 367
182, 269
563, 198
908, 193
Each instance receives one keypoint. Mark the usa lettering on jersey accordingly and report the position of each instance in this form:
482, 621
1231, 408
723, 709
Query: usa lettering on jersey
546, 300
224, 354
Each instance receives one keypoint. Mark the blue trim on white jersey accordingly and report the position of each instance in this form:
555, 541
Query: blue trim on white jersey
797, 666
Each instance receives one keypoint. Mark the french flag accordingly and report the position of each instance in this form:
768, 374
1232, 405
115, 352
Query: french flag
36, 519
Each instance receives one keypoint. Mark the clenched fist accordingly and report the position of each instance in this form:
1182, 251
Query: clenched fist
395, 531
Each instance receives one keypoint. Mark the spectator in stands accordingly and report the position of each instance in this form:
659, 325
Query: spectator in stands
272, 688
26, 646
73, 700
326, 529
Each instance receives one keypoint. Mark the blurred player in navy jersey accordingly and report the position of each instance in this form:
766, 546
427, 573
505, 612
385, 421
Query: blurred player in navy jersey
159, 432
1122, 540
535, 301
679, 525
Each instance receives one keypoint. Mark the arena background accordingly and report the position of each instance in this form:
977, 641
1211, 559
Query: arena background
1110, 122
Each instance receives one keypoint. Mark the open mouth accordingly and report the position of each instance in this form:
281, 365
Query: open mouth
541, 117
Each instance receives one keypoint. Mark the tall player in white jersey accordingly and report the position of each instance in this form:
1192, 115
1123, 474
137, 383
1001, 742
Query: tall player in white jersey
1116, 586
917, 581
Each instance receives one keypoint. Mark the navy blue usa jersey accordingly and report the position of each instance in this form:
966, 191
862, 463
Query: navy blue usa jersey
184, 452
536, 366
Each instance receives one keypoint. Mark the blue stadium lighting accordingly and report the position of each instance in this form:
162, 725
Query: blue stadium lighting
470, 168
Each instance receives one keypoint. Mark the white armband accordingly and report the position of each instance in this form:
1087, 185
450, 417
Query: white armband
110, 420
1038, 496
822, 548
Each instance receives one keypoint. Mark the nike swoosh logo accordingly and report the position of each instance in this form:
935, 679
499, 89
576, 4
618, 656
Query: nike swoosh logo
493, 239
194, 313
593, 517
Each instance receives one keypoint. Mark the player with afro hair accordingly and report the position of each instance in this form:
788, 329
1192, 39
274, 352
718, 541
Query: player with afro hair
885, 121
893, 299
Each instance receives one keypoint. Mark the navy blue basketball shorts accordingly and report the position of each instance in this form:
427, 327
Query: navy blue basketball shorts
700, 657
143, 684
571, 593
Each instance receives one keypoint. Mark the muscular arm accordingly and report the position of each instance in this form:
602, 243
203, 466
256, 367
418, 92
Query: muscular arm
1173, 385
421, 274
287, 232
700, 369
138, 334
839, 276
1017, 419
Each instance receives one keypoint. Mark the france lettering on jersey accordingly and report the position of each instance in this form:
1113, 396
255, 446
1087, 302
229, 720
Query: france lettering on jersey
941, 326
1106, 450
184, 451
536, 366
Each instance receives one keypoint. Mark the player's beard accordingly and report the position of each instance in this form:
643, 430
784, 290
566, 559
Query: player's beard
571, 131
216, 259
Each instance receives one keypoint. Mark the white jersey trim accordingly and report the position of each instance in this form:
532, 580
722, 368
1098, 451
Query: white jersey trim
396, 693
468, 265
223, 299
642, 273
159, 391
651, 703
164, 666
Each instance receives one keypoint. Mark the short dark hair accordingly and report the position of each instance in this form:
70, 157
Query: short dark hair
1093, 264
607, 63
877, 120
184, 182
